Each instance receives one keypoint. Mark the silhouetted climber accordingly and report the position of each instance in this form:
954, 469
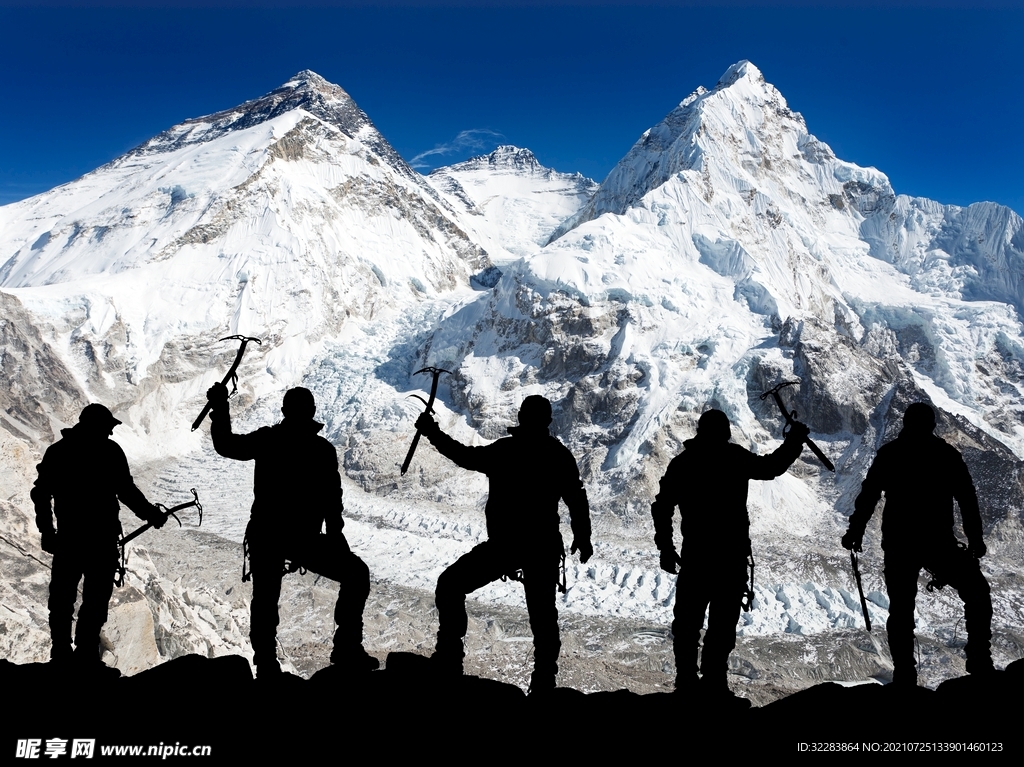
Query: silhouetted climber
528, 473
297, 491
921, 475
708, 481
84, 474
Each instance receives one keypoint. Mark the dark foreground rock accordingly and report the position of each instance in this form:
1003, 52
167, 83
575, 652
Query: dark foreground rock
407, 711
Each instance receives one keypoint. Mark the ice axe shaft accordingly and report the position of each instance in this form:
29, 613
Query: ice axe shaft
860, 589
231, 376
436, 373
791, 419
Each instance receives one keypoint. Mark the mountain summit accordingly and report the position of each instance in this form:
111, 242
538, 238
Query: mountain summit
307, 91
507, 156
281, 218
743, 124
512, 201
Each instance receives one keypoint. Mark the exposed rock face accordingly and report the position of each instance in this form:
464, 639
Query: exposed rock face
24, 585
39, 389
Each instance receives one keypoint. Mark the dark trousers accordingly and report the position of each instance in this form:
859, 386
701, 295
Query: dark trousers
951, 565
95, 566
485, 564
715, 587
324, 555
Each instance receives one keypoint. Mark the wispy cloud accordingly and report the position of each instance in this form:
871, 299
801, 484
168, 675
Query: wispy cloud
474, 139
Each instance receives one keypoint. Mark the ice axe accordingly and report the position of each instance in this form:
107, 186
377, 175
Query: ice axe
860, 589
167, 514
791, 419
232, 375
436, 373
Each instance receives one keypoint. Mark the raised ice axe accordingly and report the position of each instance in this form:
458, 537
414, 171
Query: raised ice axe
791, 419
436, 373
231, 376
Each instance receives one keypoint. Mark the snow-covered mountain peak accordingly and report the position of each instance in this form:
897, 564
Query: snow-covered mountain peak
741, 87
519, 200
309, 91
507, 156
726, 223
184, 177
504, 158
743, 95
741, 70
309, 80
306, 91
740, 124
283, 218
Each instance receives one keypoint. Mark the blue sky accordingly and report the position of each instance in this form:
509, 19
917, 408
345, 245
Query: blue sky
932, 96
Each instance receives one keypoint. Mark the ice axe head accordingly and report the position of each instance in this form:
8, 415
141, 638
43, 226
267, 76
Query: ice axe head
433, 371
247, 339
789, 415
776, 389
436, 373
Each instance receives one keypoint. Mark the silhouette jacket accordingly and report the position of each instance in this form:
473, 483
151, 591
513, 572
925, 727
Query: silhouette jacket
85, 476
708, 482
296, 485
920, 475
528, 473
